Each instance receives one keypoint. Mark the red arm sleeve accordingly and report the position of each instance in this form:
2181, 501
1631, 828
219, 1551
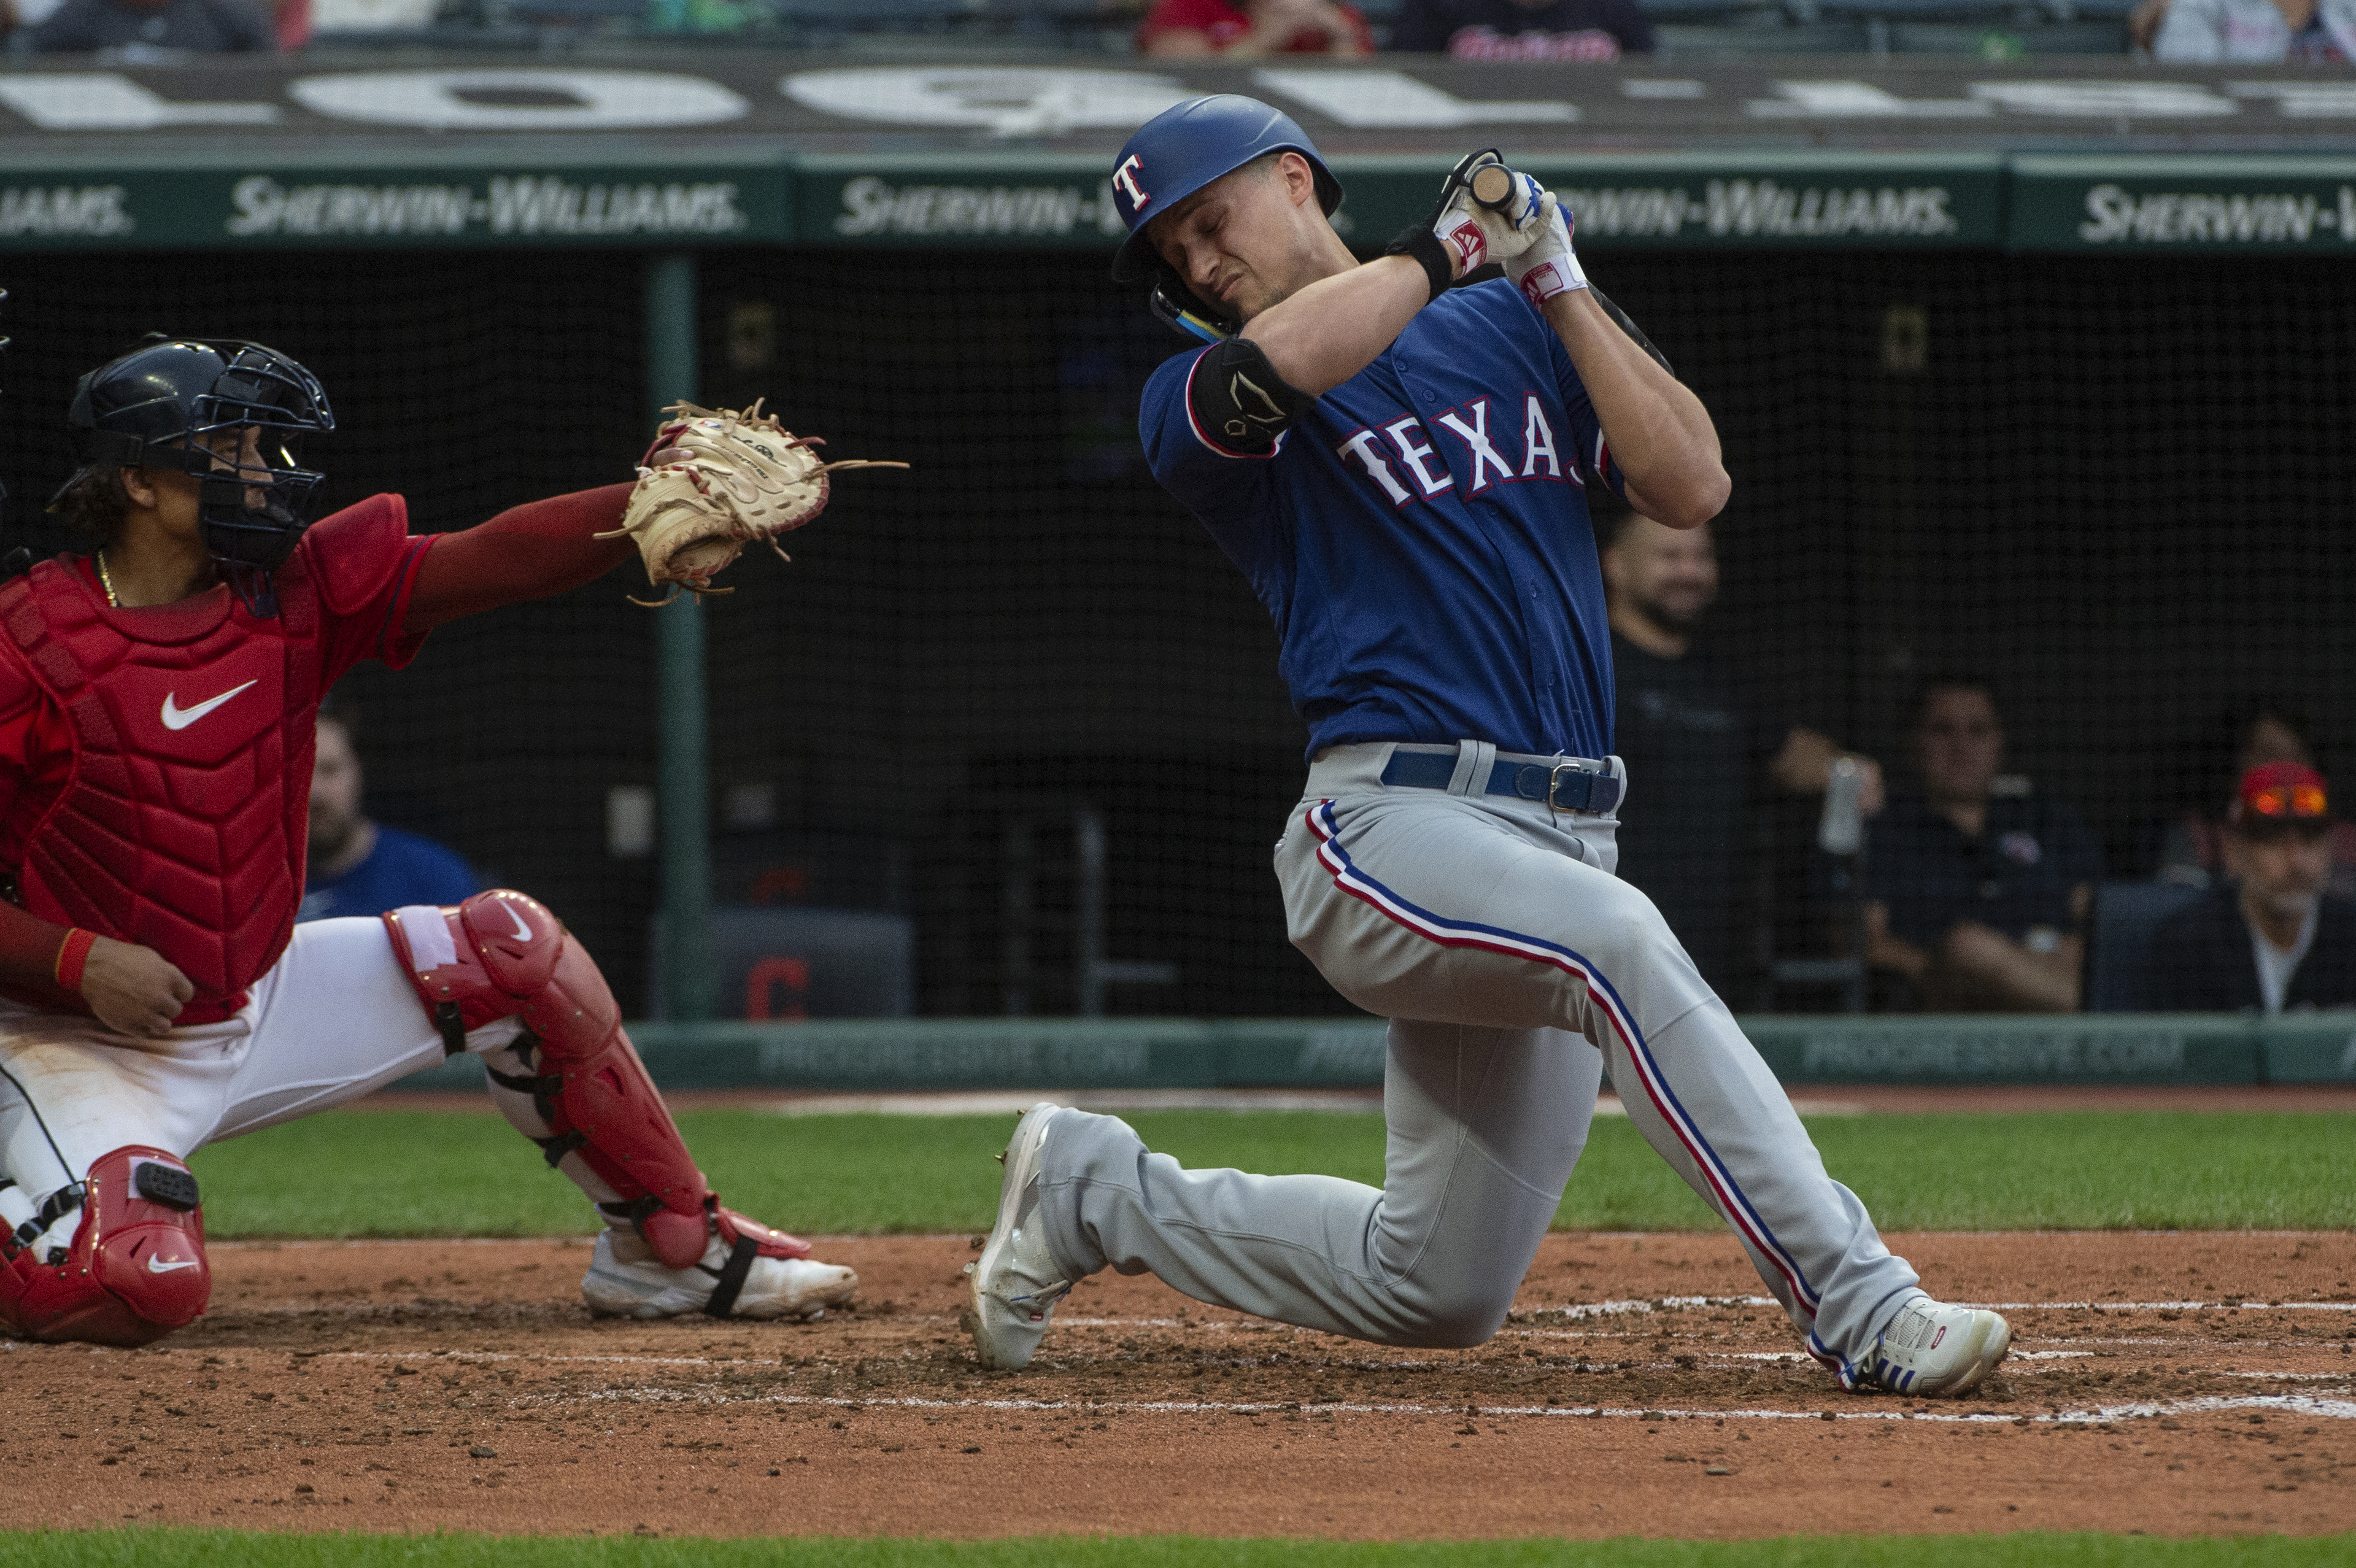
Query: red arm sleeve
29, 947
526, 553
28, 944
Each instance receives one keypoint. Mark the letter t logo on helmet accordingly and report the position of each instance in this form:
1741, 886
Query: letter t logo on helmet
1126, 176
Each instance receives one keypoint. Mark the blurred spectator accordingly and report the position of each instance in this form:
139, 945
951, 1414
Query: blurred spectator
1977, 898
2271, 938
1178, 29
199, 27
291, 20
1525, 29
361, 867
2142, 27
2257, 32
1694, 748
2264, 729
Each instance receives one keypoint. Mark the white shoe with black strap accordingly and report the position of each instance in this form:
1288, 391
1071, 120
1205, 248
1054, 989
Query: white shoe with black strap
731, 1280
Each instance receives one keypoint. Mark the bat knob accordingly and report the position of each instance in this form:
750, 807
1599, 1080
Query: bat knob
1493, 187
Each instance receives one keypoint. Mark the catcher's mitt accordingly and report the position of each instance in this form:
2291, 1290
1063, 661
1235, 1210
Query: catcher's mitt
715, 479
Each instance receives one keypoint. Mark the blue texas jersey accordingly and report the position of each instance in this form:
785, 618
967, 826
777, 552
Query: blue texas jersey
1421, 536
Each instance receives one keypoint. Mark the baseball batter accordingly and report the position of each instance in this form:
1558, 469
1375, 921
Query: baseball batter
1399, 466
157, 706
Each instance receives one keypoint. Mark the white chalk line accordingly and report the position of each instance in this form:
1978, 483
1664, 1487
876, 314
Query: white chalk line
2305, 1404
1720, 1358
1521, 1315
2302, 1405
2165, 1306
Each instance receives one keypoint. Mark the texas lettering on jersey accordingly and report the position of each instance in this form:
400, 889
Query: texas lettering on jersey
1406, 440
1420, 537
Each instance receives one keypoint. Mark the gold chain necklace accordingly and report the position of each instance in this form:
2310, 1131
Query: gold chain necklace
107, 583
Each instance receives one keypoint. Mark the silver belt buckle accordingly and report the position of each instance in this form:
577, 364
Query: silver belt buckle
1554, 783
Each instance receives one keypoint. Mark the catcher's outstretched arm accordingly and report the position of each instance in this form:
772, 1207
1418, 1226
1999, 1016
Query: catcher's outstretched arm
526, 553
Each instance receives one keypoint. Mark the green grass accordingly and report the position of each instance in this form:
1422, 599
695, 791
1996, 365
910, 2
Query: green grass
243, 1549
438, 1173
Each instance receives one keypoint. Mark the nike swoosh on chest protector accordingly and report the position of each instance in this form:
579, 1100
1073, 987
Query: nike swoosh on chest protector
157, 1265
177, 717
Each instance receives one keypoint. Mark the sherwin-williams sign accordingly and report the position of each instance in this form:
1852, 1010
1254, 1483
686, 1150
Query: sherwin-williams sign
948, 198
1733, 199
696, 147
2127, 205
155, 208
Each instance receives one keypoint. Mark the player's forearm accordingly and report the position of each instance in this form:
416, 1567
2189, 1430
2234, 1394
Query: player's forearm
2015, 979
1804, 767
1338, 325
528, 551
1660, 435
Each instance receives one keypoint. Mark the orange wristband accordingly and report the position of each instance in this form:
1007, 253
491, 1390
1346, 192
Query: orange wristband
72, 954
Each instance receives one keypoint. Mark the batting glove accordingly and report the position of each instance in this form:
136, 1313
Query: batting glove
1547, 265
1487, 212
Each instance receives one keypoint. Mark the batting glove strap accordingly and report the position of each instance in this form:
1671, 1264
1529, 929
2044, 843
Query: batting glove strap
1549, 266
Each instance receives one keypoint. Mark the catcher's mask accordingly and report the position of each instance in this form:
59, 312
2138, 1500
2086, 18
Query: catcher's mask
1176, 154
233, 415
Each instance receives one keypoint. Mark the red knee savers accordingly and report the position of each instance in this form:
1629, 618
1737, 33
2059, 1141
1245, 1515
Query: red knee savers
503, 955
136, 1269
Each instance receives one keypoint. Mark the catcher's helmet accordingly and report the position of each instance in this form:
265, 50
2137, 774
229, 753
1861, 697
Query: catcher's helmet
164, 405
1176, 154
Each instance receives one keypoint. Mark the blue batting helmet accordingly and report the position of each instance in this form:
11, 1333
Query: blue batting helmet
1184, 148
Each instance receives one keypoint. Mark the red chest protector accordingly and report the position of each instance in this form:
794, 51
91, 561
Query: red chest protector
184, 823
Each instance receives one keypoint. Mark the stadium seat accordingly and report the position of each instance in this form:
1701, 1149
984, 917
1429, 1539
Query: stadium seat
2121, 976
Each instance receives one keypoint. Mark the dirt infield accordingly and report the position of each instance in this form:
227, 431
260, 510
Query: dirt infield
1642, 1387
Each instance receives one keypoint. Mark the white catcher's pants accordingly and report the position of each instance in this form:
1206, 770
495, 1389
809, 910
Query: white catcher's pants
334, 1019
1493, 934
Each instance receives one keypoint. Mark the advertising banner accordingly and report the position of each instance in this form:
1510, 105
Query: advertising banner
680, 149
2143, 205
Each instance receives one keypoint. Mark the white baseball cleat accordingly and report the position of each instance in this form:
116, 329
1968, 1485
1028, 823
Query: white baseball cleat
1932, 1349
1016, 1283
627, 1280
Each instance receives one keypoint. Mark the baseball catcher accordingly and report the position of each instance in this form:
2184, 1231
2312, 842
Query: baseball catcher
156, 705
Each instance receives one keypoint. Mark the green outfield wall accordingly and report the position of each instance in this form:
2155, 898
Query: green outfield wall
1181, 1052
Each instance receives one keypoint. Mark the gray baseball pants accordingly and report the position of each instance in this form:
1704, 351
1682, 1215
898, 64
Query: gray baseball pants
1512, 965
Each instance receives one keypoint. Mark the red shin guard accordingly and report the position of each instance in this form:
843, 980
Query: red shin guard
503, 955
136, 1268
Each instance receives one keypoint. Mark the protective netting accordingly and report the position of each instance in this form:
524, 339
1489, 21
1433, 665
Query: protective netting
2118, 491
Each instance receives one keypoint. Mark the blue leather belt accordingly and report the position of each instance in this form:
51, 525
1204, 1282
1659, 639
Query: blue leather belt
1566, 785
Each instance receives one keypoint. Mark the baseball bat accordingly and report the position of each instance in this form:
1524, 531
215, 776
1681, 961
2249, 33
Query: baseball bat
1493, 187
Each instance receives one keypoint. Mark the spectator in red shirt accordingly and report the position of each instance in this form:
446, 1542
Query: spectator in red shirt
1593, 30
1176, 28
